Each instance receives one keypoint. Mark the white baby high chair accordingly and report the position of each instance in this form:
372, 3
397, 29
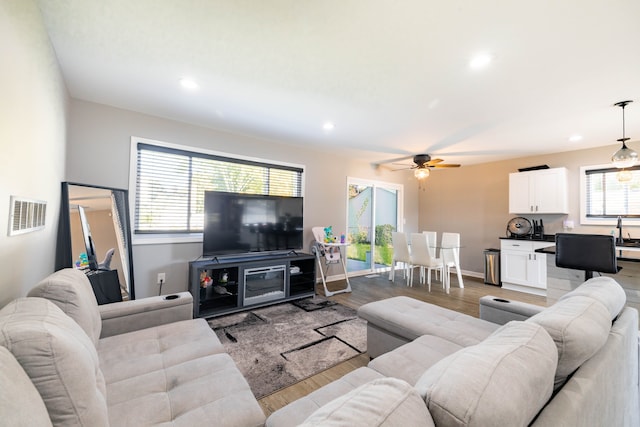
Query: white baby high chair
332, 255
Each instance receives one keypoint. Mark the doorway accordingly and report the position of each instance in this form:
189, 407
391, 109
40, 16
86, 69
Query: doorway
374, 210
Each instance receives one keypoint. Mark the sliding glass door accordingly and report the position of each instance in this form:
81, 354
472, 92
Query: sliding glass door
373, 212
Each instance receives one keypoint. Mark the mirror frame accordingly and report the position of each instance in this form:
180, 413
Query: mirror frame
64, 255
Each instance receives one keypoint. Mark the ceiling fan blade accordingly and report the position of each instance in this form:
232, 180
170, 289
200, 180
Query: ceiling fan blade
448, 165
433, 162
403, 169
401, 164
397, 159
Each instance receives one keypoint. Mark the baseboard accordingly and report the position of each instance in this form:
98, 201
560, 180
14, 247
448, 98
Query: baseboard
472, 274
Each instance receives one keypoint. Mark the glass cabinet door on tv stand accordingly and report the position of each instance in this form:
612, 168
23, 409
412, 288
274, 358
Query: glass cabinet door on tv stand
218, 289
236, 284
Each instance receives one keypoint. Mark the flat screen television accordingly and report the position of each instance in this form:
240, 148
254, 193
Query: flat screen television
244, 223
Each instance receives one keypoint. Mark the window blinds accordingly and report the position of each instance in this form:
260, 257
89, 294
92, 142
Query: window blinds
170, 185
607, 197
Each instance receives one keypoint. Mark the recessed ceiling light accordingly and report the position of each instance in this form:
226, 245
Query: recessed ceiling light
328, 126
480, 60
188, 83
575, 138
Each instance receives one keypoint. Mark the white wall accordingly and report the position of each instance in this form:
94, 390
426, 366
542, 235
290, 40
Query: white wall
98, 153
33, 103
474, 201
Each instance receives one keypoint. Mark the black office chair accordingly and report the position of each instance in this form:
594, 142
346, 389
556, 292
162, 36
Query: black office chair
588, 252
106, 262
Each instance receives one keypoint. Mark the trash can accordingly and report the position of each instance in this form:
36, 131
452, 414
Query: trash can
492, 267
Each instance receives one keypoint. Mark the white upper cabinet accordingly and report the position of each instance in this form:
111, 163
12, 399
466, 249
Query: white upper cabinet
538, 192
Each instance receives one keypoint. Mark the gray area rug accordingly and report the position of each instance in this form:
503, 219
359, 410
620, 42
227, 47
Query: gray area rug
277, 346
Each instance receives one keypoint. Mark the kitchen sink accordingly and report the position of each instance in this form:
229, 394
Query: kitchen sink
629, 243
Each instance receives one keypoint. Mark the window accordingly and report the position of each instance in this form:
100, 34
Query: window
605, 196
170, 183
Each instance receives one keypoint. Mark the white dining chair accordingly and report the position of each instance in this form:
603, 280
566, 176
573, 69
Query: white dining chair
432, 238
420, 257
400, 254
450, 253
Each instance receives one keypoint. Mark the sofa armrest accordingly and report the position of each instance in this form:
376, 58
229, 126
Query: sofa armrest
500, 310
127, 316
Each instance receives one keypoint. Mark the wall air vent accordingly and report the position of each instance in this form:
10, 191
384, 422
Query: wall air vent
26, 215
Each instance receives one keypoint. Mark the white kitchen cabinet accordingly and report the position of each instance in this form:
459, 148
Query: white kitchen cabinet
541, 191
521, 268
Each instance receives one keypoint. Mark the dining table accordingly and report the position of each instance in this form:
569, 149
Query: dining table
455, 249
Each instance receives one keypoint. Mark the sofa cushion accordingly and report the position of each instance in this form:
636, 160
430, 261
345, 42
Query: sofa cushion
384, 402
201, 392
70, 290
579, 326
603, 289
504, 380
604, 390
408, 362
411, 318
296, 412
138, 352
20, 403
59, 358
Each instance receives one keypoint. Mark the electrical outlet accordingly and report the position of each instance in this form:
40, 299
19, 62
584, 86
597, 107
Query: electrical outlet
161, 278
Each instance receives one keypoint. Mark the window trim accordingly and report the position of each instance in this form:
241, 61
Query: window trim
168, 238
584, 220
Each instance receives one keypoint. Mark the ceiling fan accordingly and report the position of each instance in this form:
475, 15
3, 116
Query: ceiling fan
424, 162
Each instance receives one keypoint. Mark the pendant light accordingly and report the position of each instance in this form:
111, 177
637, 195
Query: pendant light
624, 175
624, 157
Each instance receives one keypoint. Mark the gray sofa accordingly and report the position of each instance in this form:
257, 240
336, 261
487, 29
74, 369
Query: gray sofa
64, 360
574, 363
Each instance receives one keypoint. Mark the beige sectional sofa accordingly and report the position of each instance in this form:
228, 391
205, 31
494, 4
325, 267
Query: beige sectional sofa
572, 364
65, 361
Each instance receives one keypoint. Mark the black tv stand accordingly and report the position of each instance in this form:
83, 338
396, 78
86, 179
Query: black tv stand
223, 285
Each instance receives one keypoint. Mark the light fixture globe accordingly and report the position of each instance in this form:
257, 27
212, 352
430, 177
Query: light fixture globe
624, 176
624, 157
421, 172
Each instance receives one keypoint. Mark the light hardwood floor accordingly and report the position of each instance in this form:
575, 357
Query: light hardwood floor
376, 288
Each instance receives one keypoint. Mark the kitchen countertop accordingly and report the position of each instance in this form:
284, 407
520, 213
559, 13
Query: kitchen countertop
531, 238
624, 253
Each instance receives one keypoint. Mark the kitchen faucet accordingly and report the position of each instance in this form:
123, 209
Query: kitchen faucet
619, 227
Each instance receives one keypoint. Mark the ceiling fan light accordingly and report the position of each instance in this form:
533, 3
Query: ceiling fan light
624, 157
421, 173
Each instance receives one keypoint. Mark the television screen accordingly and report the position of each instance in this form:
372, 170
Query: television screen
241, 223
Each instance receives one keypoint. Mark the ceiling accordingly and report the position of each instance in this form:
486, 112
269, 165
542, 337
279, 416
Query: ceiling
393, 77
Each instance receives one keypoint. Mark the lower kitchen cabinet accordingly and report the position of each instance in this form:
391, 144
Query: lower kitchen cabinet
521, 268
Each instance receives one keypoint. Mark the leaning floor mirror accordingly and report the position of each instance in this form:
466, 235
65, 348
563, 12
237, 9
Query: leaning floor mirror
94, 235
